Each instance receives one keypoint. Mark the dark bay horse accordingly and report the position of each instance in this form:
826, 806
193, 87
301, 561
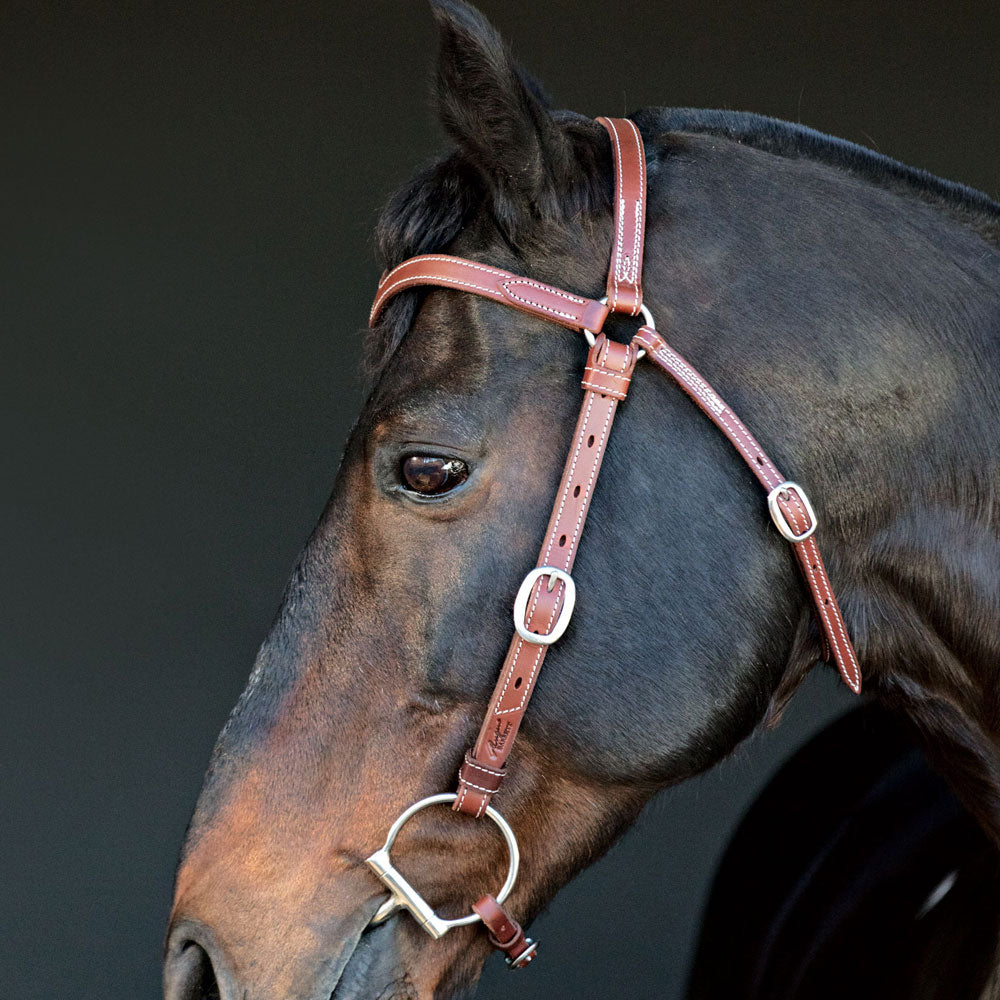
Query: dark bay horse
847, 305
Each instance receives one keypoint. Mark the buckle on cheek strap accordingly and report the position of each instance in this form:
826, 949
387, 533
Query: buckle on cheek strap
546, 597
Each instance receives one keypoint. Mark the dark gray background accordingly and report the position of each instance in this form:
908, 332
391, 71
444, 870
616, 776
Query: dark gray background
186, 198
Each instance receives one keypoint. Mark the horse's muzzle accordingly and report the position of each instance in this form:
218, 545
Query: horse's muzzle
197, 967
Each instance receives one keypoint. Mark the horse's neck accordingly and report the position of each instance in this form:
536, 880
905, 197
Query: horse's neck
930, 580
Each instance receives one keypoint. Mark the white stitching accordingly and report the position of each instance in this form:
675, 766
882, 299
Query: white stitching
548, 289
386, 286
619, 382
845, 648
701, 387
609, 374
605, 390
844, 652
640, 201
461, 261
538, 305
620, 235
612, 405
414, 278
479, 767
584, 427
478, 788
690, 378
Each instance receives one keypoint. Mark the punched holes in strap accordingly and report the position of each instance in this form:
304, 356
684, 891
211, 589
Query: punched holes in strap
545, 607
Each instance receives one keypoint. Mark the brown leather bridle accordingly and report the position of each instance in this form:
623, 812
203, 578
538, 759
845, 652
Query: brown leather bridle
547, 595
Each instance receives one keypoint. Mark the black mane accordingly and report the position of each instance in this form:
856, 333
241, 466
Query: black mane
431, 211
772, 135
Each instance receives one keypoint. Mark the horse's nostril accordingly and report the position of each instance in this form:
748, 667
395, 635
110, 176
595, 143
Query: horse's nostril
189, 973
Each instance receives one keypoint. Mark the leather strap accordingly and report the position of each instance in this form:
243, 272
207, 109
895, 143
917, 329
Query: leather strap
793, 505
526, 294
605, 383
506, 934
625, 274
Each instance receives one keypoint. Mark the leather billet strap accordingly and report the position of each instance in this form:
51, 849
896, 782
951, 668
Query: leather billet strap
788, 497
625, 273
605, 383
506, 934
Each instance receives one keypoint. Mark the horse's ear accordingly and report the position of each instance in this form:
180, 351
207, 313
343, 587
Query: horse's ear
499, 117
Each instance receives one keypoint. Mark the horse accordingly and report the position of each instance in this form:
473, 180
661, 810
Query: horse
847, 304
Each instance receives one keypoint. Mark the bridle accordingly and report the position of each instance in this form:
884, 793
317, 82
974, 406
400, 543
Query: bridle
547, 596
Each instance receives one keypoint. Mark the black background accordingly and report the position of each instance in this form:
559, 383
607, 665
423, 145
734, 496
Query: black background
186, 201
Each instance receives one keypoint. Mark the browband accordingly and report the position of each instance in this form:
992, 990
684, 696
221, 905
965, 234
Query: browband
547, 596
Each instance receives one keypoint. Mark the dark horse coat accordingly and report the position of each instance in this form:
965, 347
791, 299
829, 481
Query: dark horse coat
847, 305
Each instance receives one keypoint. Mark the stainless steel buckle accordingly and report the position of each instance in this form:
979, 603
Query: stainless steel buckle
565, 613
778, 515
647, 317
405, 897
524, 959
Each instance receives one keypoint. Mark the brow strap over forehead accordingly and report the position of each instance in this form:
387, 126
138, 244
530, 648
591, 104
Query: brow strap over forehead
535, 297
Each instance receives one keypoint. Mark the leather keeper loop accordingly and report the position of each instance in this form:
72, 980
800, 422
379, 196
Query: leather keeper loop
609, 367
480, 777
605, 382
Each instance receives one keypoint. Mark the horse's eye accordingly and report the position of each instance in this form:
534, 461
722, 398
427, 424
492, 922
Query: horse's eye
431, 476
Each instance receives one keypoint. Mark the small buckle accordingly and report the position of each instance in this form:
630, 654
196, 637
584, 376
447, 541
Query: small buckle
778, 515
524, 959
565, 613
405, 897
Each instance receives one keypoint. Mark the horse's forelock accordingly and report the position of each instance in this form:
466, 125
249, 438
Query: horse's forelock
428, 214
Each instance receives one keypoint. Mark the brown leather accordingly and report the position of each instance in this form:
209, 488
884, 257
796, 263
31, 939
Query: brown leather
482, 771
526, 294
506, 934
708, 400
625, 274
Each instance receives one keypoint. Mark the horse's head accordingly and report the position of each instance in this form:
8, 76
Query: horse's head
375, 676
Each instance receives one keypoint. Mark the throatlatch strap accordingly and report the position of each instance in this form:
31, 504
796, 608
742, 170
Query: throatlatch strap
605, 383
792, 503
625, 274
